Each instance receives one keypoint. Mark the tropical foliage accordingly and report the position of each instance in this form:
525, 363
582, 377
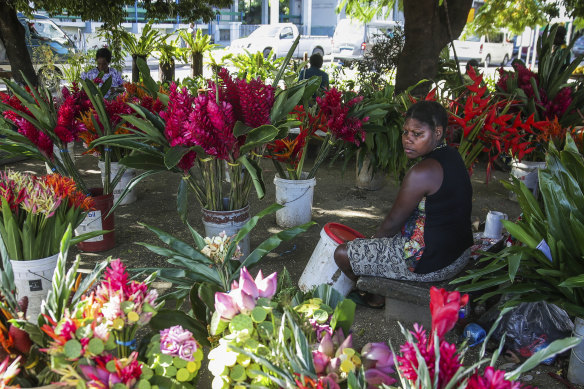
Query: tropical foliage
546, 264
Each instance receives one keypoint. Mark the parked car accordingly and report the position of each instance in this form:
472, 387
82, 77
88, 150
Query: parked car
578, 48
352, 39
41, 30
487, 49
279, 38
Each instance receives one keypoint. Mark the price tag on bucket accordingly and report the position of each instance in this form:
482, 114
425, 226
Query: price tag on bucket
92, 222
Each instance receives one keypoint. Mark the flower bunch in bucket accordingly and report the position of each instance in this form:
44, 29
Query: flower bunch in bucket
217, 248
36, 211
214, 139
488, 125
174, 353
40, 126
94, 341
339, 116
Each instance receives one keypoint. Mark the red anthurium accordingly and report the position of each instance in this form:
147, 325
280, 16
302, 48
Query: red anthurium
444, 307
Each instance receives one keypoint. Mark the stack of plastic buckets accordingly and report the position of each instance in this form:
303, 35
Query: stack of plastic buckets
321, 268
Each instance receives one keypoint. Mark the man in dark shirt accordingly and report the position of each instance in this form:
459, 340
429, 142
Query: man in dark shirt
314, 70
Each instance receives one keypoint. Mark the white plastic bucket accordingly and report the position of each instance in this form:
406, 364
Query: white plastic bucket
296, 197
128, 176
321, 267
526, 172
576, 366
34, 280
215, 222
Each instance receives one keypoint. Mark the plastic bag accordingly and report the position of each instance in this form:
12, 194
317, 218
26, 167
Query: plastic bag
529, 326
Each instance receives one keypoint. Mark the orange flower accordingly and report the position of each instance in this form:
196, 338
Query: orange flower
551, 130
64, 187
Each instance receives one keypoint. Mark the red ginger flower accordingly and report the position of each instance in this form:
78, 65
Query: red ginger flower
338, 119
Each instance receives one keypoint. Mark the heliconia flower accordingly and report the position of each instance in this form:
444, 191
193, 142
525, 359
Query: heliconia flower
244, 302
377, 355
444, 307
268, 286
326, 346
247, 283
225, 305
321, 361
375, 377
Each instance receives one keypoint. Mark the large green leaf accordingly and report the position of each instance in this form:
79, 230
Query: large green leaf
258, 137
255, 172
139, 162
174, 155
344, 315
178, 245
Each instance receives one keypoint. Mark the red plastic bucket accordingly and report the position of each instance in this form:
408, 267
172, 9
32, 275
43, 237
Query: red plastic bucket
97, 220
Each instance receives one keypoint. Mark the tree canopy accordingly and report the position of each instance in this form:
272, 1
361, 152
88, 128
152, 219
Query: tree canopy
112, 11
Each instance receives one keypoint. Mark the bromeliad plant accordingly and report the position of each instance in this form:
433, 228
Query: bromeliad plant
36, 212
143, 46
547, 264
197, 45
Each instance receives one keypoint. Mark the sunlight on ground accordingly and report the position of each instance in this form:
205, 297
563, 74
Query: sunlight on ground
345, 213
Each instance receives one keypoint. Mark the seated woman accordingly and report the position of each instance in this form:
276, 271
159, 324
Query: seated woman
103, 57
425, 235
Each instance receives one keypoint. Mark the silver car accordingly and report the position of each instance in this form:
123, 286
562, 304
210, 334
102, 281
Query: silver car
578, 48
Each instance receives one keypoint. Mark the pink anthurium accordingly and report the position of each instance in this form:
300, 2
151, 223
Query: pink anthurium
377, 355
247, 283
242, 300
267, 286
321, 361
326, 345
225, 305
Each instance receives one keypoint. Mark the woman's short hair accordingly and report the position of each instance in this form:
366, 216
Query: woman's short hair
104, 52
316, 61
430, 112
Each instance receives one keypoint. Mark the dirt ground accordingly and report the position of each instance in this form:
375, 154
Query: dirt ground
336, 199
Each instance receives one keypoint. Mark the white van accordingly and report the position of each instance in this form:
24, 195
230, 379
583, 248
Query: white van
493, 48
352, 39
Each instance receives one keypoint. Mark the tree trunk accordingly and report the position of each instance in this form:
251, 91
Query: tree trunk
13, 36
166, 72
426, 34
197, 65
135, 70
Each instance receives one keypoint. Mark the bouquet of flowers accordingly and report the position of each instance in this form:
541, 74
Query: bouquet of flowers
84, 339
45, 126
36, 211
174, 353
201, 136
338, 114
264, 344
488, 125
431, 362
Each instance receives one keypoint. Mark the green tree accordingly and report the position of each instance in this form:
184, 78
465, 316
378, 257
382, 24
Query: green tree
429, 26
520, 14
111, 12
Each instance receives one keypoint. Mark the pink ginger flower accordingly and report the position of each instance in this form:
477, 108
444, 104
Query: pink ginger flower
256, 99
116, 276
491, 379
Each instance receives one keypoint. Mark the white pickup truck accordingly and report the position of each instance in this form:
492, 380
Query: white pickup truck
279, 38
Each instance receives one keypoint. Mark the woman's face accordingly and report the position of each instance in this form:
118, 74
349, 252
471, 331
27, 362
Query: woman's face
418, 138
102, 64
